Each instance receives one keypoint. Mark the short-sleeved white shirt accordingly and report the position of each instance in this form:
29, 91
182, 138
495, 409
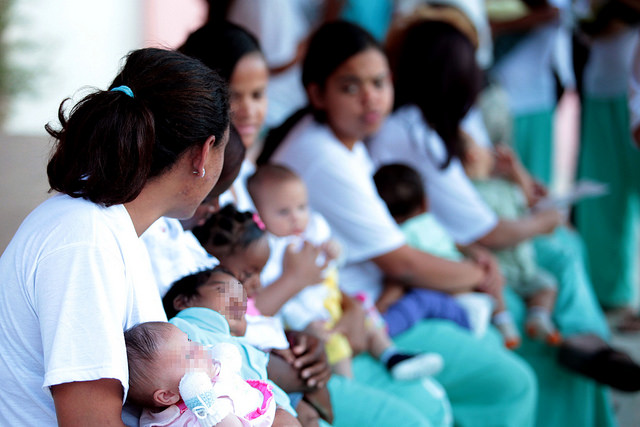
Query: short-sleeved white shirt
341, 188
74, 277
406, 138
526, 73
174, 252
608, 68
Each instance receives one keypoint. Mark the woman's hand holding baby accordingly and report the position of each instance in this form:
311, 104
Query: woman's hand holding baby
309, 358
493, 280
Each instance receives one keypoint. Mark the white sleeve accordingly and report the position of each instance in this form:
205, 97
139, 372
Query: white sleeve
452, 197
80, 297
473, 124
359, 219
457, 205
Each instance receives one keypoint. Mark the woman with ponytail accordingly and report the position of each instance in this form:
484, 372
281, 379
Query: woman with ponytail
76, 275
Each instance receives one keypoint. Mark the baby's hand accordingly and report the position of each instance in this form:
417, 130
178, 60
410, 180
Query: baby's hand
332, 249
301, 264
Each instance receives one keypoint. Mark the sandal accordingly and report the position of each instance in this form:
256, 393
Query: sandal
605, 365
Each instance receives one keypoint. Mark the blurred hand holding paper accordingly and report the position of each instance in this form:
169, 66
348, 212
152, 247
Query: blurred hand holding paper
582, 189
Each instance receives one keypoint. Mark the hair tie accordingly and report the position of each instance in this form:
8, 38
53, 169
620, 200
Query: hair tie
258, 221
124, 89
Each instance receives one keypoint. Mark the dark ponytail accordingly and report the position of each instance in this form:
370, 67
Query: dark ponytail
435, 68
112, 144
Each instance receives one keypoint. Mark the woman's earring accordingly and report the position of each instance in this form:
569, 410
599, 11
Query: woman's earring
203, 172
197, 172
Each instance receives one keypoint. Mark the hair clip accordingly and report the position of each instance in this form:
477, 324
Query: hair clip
124, 89
258, 221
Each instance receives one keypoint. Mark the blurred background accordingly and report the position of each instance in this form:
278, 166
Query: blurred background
50, 51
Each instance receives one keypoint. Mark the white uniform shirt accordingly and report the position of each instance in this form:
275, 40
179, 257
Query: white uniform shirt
525, 72
74, 277
174, 252
405, 138
341, 188
608, 68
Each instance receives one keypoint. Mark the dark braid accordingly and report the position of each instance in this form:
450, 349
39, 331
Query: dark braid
228, 231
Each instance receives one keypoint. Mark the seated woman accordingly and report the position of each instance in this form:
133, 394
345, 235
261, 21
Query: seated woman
348, 81
76, 274
424, 132
210, 307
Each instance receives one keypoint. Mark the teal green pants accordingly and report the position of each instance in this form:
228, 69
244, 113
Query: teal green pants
358, 404
565, 398
609, 224
486, 384
533, 141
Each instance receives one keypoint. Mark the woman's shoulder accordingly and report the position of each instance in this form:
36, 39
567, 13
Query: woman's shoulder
404, 135
307, 142
65, 221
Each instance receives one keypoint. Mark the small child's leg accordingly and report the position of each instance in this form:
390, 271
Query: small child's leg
505, 324
343, 368
539, 323
507, 327
402, 366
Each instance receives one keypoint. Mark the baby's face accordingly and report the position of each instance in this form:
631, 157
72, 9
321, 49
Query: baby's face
178, 355
247, 265
284, 208
226, 295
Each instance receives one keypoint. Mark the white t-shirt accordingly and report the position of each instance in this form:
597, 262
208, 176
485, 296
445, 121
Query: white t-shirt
308, 304
238, 194
526, 74
174, 252
405, 138
608, 68
74, 277
341, 188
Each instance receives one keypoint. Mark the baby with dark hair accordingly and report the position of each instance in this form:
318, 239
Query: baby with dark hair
402, 190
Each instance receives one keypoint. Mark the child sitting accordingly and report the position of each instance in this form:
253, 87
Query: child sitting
239, 241
181, 382
518, 263
209, 306
401, 188
281, 200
